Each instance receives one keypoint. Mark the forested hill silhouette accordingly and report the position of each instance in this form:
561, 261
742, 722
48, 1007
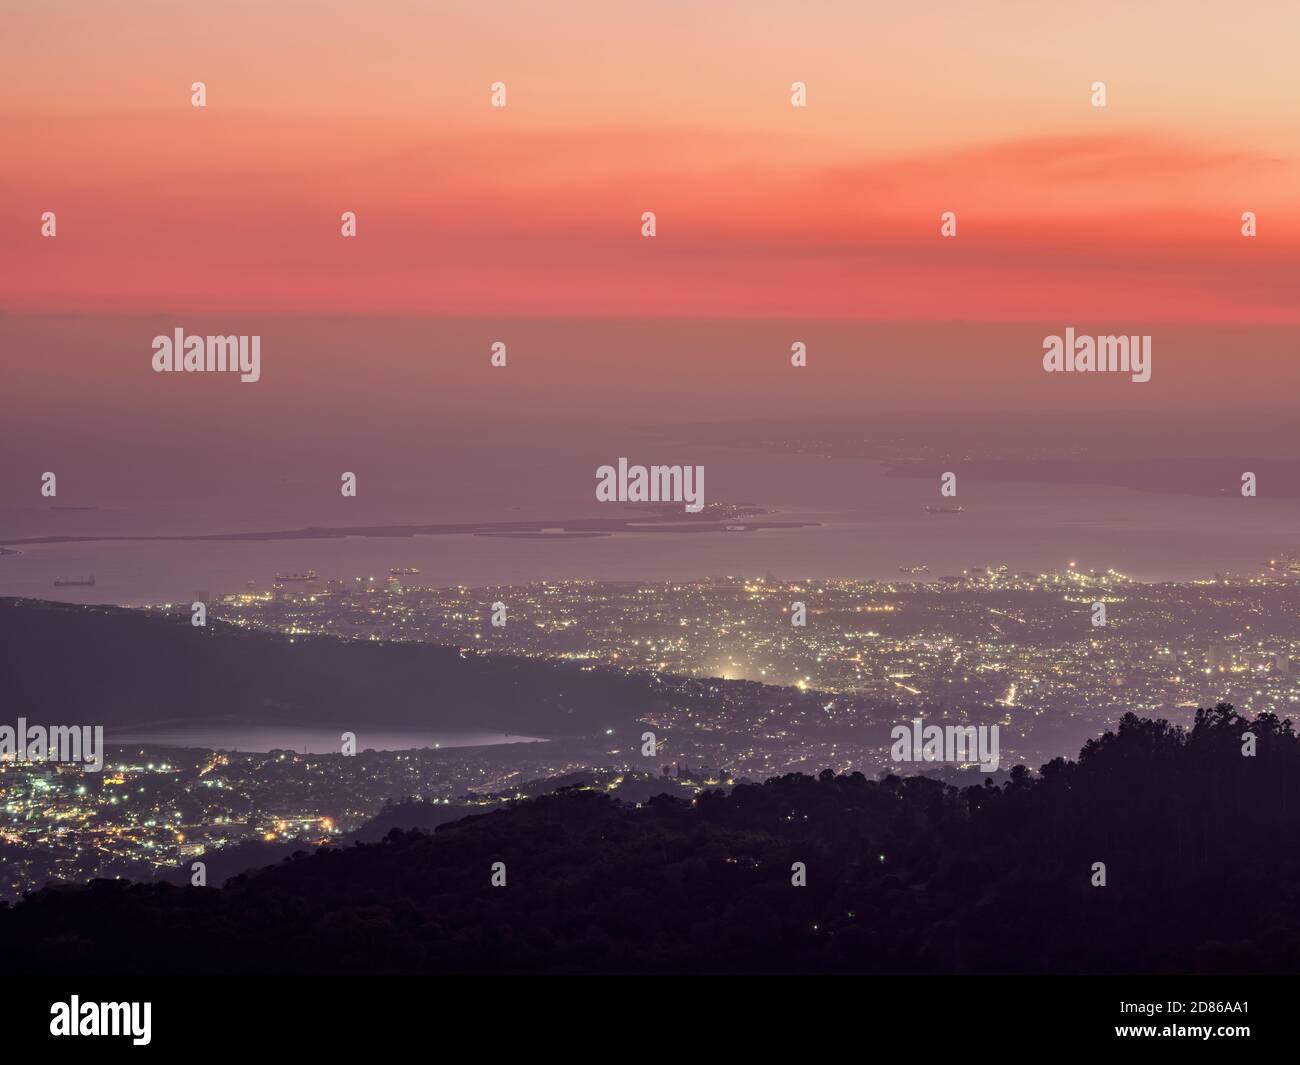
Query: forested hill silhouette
903, 875
122, 667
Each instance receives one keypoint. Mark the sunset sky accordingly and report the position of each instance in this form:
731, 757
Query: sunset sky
522, 225
832, 211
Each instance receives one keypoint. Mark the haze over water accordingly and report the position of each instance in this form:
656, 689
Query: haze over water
303, 739
881, 527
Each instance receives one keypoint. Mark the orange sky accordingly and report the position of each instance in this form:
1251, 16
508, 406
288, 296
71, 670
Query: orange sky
1129, 212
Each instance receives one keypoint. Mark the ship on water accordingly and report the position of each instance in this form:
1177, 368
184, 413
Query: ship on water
932, 509
403, 571
285, 578
74, 582
1286, 562
914, 570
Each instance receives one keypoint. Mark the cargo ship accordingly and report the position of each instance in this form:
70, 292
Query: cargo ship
932, 509
74, 582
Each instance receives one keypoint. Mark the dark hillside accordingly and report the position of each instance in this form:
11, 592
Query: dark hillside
110, 666
904, 875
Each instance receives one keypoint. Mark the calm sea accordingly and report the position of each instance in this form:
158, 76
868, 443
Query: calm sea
303, 739
876, 525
